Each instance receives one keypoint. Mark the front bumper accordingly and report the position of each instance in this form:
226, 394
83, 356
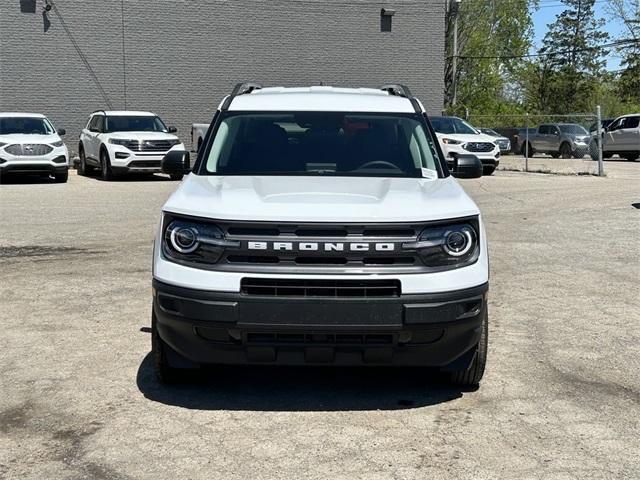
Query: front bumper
124, 160
488, 159
208, 327
57, 161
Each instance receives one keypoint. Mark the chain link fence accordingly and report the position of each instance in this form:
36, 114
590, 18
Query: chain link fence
563, 144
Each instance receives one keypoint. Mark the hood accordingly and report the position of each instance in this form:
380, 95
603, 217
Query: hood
143, 136
320, 199
25, 138
467, 137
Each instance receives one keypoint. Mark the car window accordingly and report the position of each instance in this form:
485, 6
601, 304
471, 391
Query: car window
132, 123
452, 125
321, 143
616, 124
544, 130
25, 125
631, 122
574, 129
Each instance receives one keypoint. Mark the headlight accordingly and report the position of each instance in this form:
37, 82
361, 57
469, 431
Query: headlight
173, 142
194, 242
57, 144
451, 141
448, 245
124, 142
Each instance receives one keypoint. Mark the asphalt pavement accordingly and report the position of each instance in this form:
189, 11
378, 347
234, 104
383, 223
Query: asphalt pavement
560, 398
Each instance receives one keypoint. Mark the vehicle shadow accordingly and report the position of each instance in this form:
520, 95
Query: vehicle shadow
299, 389
131, 177
8, 179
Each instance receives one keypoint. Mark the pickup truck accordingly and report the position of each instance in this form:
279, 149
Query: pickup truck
564, 140
621, 136
198, 131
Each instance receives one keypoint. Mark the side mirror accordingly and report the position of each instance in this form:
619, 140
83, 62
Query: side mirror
467, 166
176, 162
61, 131
172, 129
94, 130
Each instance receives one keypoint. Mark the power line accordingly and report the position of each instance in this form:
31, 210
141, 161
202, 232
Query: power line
619, 43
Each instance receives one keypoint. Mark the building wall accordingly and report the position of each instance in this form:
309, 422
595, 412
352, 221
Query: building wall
180, 57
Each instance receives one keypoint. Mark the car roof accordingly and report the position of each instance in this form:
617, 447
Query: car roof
321, 98
124, 113
21, 114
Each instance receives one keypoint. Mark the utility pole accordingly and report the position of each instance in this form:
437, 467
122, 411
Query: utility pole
455, 7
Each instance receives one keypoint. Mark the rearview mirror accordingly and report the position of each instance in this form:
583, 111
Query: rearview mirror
172, 129
61, 131
176, 162
467, 166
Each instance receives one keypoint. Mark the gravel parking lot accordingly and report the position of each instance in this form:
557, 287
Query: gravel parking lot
560, 399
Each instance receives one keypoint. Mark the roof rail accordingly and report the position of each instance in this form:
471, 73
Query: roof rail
240, 89
400, 90
98, 111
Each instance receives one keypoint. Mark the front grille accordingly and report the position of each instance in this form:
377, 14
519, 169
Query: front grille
479, 146
270, 287
150, 145
29, 149
332, 247
145, 164
319, 339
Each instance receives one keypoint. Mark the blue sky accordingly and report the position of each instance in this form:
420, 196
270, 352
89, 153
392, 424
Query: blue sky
547, 14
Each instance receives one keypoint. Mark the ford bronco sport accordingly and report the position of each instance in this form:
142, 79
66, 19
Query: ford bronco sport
320, 226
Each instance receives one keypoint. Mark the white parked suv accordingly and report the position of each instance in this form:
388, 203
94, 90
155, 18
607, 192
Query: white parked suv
459, 137
125, 141
621, 136
30, 145
321, 226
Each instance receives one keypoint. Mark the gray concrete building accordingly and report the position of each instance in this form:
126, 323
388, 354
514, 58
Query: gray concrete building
178, 58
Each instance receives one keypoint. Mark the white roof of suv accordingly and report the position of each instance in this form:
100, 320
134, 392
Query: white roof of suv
324, 99
125, 113
21, 114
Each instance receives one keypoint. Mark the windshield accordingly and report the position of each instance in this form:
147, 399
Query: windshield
130, 123
452, 125
322, 143
25, 125
576, 129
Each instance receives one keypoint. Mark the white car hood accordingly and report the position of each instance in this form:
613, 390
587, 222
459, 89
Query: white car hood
142, 136
320, 199
24, 138
467, 137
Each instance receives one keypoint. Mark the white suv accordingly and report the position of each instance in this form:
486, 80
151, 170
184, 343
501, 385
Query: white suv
321, 226
120, 142
458, 137
30, 144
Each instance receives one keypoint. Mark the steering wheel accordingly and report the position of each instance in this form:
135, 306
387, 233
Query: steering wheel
380, 163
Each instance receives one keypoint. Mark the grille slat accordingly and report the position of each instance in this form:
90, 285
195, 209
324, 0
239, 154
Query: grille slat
324, 339
479, 147
270, 287
29, 149
150, 145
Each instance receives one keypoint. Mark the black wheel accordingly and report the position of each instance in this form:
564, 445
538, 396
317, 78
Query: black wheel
555, 155
471, 377
83, 168
163, 354
176, 176
632, 157
527, 150
488, 170
578, 153
565, 150
105, 166
62, 177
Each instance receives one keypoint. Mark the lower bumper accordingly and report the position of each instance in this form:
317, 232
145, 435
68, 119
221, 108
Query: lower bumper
35, 168
232, 328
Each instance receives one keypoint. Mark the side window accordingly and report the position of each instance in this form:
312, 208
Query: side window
553, 130
616, 125
101, 123
543, 130
92, 122
631, 122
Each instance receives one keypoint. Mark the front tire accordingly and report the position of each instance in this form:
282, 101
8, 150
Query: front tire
527, 150
161, 354
565, 150
471, 376
488, 170
105, 166
83, 168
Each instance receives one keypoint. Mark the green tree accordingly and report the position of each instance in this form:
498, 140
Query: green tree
574, 61
627, 13
487, 29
